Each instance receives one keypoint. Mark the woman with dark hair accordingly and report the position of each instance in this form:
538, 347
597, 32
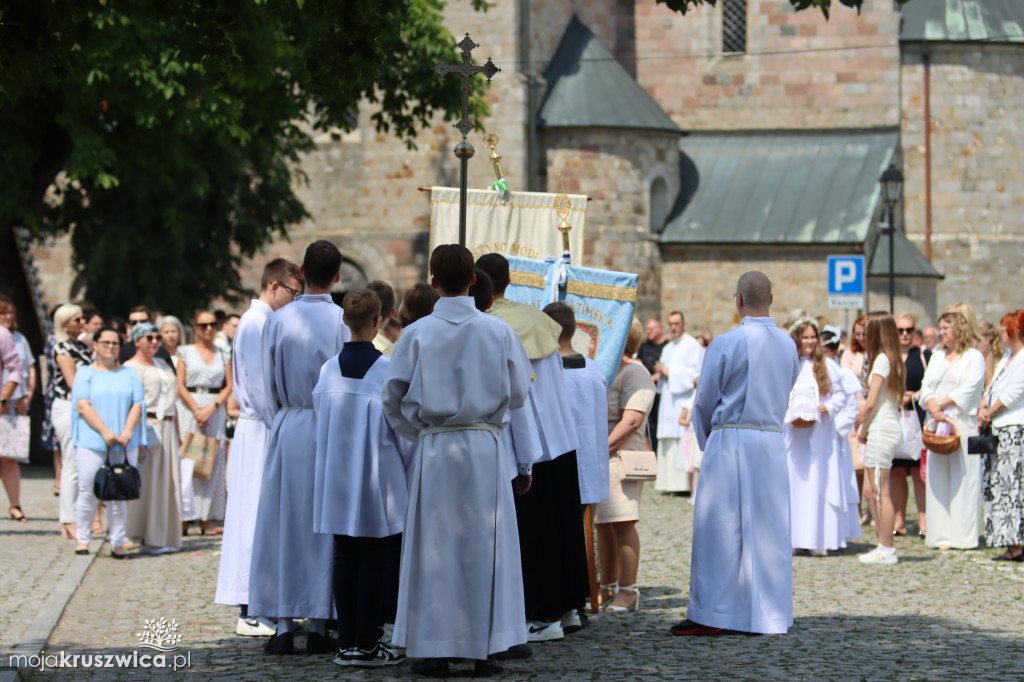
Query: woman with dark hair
819, 509
908, 463
880, 429
951, 391
417, 303
1002, 408
109, 402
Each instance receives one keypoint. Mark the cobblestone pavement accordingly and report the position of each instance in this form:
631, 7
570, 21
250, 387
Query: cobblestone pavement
934, 616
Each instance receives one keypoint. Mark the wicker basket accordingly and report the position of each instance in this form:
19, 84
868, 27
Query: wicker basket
940, 445
803, 423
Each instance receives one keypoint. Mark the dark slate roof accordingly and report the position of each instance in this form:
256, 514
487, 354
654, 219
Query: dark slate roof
997, 21
907, 260
795, 187
587, 87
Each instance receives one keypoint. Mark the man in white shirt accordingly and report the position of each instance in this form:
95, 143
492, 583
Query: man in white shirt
279, 285
453, 379
679, 369
290, 573
741, 575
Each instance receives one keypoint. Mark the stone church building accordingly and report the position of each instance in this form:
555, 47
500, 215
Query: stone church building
741, 136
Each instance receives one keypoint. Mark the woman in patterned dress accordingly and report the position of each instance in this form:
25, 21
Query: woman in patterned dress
1003, 477
204, 384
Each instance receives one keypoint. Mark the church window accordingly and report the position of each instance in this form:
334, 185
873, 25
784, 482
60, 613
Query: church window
734, 26
659, 206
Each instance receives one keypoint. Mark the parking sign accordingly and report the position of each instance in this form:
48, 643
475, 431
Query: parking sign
846, 282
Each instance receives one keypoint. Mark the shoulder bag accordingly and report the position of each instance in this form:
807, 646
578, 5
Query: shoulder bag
639, 465
117, 481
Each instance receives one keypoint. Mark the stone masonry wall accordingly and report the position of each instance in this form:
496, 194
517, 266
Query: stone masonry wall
616, 169
799, 70
977, 171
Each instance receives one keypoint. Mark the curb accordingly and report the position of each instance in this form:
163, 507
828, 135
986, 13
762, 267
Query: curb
38, 634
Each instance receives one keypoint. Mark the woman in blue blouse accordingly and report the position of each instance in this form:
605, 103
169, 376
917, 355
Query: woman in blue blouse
109, 402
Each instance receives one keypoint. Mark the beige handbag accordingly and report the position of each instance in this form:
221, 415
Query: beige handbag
638, 465
202, 450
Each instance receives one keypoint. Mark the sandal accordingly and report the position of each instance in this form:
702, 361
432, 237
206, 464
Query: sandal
632, 607
611, 587
212, 531
19, 516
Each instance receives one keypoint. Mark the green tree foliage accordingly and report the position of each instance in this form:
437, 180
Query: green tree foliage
164, 136
824, 5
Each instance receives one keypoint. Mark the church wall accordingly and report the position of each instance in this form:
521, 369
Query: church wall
616, 168
799, 70
977, 170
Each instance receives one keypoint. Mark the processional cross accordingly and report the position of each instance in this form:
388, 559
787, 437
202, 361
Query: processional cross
464, 150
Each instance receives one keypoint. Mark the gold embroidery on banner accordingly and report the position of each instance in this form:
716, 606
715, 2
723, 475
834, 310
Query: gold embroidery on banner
607, 292
509, 205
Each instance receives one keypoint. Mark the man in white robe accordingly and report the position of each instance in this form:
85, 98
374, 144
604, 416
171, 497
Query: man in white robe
361, 488
741, 575
679, 369
551, 539
290, 575
279, 285
453, 379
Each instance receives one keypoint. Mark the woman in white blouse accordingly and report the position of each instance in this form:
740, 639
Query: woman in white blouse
1003, 409
951, 391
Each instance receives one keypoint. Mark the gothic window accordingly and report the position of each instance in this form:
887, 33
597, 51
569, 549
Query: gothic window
734, 26
659, 206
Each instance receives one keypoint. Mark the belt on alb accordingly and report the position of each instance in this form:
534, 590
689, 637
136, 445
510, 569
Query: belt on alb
480, 426
252, 419
749, 427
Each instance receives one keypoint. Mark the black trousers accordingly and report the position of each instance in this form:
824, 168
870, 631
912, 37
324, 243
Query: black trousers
365, 587
551, 541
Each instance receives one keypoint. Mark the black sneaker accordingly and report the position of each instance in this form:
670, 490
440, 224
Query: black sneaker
376, 657
518, 652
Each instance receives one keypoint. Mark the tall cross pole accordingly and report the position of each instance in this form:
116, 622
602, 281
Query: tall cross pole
464, 150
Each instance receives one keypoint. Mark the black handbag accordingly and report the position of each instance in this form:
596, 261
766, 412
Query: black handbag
117, 481
985, 443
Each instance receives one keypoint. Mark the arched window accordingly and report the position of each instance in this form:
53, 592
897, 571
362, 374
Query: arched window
659, 206
734, 26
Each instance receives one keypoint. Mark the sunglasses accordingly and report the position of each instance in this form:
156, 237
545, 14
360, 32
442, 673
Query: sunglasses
152, 337
131, 321
205, 325
905, 330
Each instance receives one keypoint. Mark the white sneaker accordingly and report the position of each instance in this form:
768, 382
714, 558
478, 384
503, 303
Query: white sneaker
571, 622
376, 657
387, 638
537, 631
877, 556
255, 627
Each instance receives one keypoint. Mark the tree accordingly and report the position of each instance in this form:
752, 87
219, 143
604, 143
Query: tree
165, 136
682, 6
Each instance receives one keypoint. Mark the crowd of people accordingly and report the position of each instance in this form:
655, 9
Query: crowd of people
437, 508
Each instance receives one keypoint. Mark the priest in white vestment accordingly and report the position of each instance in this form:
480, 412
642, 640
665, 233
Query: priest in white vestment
453, 379
679, 369
741, 575
290, 574
279, 285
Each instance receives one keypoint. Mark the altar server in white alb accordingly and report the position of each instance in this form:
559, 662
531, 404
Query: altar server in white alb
587, 390
279, 285
551, 540
818, 496
741, 575
453, 379
290, 574
361, 484
679, 369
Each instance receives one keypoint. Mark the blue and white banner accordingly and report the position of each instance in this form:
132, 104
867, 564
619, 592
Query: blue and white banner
603, 302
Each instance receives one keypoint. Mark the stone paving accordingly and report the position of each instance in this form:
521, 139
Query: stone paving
934, 616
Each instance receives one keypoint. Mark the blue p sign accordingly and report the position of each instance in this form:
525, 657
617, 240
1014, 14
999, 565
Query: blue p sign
846, 275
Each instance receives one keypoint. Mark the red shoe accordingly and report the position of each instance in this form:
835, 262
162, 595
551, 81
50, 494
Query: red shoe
688, 627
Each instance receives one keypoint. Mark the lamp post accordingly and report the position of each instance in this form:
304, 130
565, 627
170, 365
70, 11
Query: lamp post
892, 189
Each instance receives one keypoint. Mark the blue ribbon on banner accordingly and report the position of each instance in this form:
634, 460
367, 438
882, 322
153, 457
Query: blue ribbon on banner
602, 300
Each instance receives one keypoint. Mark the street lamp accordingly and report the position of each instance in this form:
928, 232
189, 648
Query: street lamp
892, 190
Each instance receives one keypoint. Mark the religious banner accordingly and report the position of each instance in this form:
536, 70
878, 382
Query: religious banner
525, 224
602, 300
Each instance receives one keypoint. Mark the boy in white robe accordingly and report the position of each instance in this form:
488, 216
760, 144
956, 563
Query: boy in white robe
280, 283
679, 370
453, 379
290, 574
741, 575
551, 540
361, 483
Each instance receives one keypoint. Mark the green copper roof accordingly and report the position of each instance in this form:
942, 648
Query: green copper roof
907, 260
587, 87
997, 21
796, 187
